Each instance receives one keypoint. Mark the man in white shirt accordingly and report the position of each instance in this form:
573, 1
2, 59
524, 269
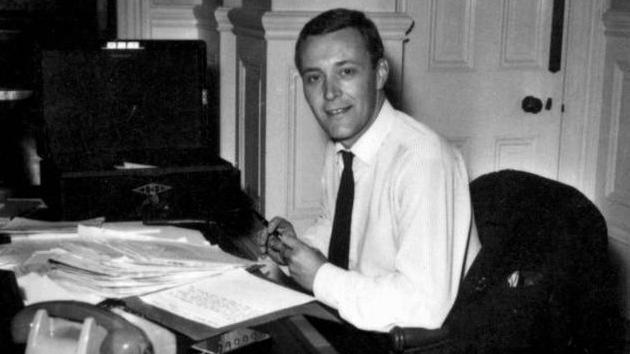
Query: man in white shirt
411, 235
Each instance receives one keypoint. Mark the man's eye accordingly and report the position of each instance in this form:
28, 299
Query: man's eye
347, 71
312, 78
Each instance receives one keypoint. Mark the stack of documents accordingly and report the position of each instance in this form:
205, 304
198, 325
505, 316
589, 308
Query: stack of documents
26, 236
116, 264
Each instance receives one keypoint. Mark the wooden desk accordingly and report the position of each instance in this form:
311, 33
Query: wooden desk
290, 334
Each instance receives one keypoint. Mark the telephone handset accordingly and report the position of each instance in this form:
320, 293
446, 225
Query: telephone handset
104, 328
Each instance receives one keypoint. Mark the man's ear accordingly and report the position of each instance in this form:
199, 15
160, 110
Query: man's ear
382, 73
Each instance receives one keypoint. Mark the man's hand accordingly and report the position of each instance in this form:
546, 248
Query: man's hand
303, 260
280, 242
269, 242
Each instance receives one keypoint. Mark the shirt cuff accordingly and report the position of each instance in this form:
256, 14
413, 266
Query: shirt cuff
328, 283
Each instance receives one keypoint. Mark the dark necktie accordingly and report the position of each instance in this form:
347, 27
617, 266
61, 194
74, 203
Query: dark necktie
340, 238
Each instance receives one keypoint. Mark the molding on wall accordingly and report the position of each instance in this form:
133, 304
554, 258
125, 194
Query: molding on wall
173, 18
241, 96
620, 253
617, 23
279, 25
613, 193
401, 6
176, 3
145, 18
133, 18
227, 76
621, 71
223, 22
247, 22
392, 26
585, 54
619, 235
463, 144
293, 206
286, 25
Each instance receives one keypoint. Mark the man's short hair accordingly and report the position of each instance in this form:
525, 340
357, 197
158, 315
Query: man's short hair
338, 19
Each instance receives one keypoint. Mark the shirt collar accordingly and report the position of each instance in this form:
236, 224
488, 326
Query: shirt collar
368, 144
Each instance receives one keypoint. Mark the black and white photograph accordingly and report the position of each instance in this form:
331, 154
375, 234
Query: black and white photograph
314, 176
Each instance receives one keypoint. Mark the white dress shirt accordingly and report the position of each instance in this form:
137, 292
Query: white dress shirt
412, 234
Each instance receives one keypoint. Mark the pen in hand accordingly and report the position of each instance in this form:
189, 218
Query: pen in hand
265, 223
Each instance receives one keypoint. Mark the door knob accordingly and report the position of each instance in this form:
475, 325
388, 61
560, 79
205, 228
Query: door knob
532, 104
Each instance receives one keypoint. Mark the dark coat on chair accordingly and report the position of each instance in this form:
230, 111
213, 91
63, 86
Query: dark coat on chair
542, 281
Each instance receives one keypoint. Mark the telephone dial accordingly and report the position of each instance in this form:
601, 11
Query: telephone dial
58, 327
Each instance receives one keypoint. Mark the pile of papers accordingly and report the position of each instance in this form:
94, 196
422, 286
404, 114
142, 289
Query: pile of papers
120, 269
169, 272
117, 264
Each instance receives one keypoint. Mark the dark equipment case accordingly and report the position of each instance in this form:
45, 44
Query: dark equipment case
141, 102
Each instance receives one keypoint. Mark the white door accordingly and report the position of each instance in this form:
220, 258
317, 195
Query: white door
474, 63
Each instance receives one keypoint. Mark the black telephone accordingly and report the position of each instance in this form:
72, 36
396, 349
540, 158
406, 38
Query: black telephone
121, 337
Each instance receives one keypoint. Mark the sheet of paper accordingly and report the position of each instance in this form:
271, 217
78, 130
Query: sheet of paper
20, 225
226, 299
133, 230
132, 165
11, 257
38, 288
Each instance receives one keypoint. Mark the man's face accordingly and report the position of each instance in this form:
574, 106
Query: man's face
341, 86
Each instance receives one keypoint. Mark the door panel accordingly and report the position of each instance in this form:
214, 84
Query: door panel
477, 61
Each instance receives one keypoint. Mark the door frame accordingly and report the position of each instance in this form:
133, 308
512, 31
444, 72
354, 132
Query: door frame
584, 55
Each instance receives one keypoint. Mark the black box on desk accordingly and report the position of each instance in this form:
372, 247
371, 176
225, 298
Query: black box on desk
130, 103
145, 193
